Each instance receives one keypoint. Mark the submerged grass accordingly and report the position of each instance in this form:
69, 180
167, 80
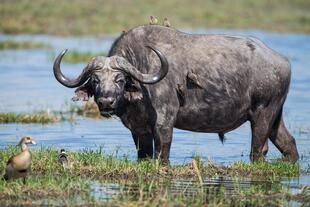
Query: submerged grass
11, 44
145, 183
98, 17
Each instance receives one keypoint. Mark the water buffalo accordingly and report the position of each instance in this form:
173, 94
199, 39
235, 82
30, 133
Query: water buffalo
156, 78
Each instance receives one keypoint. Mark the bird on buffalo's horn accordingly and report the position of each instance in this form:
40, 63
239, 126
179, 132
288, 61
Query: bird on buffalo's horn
18, 166
153, 20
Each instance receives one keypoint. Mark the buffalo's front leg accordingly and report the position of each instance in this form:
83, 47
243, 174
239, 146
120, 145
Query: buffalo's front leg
144, 144
163, 131
163, 139
166, 105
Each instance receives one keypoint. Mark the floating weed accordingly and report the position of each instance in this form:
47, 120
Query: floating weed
12, 44
40, 117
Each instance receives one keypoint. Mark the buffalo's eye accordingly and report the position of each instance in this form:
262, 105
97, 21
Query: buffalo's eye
119, 79
95, 81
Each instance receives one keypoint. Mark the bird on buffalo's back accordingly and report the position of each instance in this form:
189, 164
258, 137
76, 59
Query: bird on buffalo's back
19, 165
166, 22
153, 20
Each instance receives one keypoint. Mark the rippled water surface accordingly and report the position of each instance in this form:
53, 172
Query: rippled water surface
27, 84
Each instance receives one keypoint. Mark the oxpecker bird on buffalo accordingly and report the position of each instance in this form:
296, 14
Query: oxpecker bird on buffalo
156, 78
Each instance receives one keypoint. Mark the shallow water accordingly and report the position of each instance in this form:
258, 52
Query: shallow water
104, 191
27, 84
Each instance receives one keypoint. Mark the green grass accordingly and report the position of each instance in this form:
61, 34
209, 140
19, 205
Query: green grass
146, 183
99, 17
75, 56
96, 164
12, 44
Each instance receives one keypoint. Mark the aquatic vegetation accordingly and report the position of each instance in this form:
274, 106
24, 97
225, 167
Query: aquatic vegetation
89, 109
94, 162
277, 167
12, 44
75, 56
40, 117
145, 183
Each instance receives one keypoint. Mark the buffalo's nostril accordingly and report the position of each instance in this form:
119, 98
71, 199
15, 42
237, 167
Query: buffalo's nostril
112, 100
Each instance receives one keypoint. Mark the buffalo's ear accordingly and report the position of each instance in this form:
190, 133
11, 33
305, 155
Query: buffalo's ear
133, 91
83, 93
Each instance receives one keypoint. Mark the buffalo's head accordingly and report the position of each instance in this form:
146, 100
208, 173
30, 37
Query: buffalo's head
110, 80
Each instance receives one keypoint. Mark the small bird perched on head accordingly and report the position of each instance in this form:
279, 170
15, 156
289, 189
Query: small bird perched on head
19, 165
166, 22
153, 20
63, 157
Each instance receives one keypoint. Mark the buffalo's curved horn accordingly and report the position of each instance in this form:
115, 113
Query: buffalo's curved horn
70, 83
147, 78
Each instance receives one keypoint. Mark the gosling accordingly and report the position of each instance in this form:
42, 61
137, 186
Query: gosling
63, 158
18, 166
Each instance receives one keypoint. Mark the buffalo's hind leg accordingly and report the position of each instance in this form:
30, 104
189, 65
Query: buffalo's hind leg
144, 145
261, 122
284, 141
265, 148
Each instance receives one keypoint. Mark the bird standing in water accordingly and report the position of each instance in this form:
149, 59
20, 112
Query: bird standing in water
166, 22
18, 166
153, 20
63, 157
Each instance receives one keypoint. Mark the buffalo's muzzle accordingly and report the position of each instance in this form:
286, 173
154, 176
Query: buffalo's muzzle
106, 103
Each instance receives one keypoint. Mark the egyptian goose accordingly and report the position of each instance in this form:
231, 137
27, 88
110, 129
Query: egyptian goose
19, 165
